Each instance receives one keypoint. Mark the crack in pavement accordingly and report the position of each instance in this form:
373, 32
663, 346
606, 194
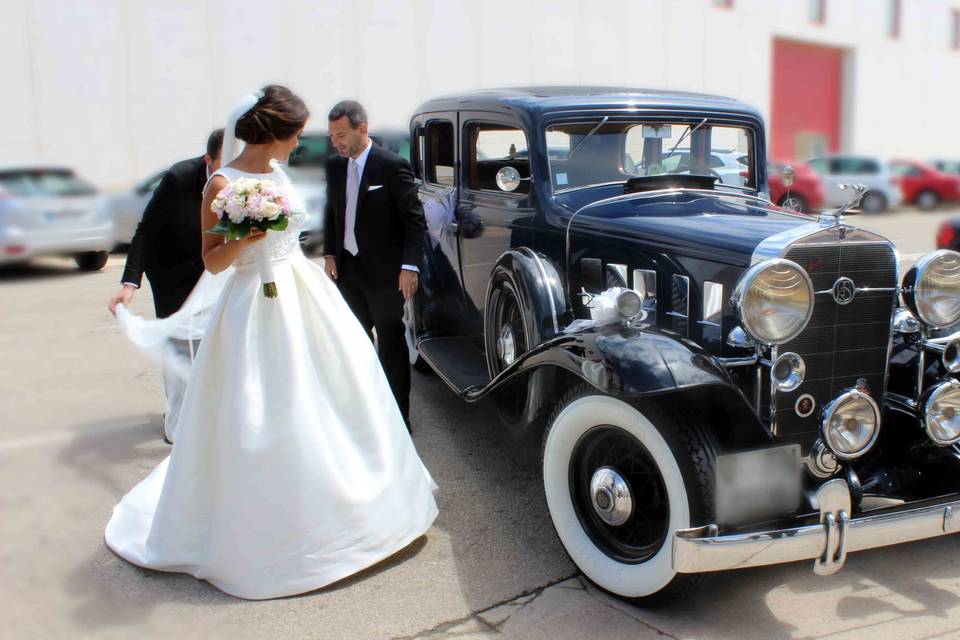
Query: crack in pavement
475, 616
622, 607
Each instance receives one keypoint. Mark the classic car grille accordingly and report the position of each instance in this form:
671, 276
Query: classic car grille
842, 343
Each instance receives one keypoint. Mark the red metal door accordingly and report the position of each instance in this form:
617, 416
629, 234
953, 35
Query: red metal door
807, 88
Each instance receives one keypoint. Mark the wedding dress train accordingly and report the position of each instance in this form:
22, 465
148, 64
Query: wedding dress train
292, 467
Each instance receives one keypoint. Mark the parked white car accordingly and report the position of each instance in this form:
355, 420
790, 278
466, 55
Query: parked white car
51, 211
883, 187
126, 208
728, 166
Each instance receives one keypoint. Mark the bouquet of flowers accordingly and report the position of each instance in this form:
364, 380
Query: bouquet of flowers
246, 204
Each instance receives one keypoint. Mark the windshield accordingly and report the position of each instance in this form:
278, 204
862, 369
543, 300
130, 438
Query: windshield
595, 153
44, 183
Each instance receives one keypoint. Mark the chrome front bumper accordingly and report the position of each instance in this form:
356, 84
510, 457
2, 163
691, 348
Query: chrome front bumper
701, 549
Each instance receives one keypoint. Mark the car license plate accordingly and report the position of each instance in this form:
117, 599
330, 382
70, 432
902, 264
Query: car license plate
753, 486
63, 214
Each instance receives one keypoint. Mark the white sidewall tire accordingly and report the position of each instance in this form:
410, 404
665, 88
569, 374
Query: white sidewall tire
627, 580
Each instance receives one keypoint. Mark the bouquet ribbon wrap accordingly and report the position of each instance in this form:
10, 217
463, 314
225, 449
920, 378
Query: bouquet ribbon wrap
265, 267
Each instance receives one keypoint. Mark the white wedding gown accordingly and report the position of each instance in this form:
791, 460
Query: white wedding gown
292, 467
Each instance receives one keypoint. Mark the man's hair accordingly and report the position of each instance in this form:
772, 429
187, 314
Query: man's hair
354, 111
215, 143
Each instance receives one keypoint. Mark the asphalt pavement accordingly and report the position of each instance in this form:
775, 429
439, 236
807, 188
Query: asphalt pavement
80, 425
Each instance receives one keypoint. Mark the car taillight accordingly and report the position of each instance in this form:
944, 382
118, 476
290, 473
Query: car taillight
14, 249
945, 236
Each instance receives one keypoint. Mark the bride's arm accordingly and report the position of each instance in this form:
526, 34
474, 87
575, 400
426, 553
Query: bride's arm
218, 252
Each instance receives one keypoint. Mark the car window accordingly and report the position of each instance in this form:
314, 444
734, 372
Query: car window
905, 170
440, 152
312, 151
608, 152
854, 166
490, 148
60, 184
17, 184
820, 165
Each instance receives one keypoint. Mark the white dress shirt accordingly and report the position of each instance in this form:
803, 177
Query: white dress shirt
350, 213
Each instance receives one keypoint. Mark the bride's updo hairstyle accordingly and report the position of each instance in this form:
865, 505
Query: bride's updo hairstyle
279, 115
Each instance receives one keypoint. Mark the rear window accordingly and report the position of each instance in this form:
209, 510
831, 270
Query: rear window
27, 184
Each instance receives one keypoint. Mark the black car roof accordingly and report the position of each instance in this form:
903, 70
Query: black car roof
543, 99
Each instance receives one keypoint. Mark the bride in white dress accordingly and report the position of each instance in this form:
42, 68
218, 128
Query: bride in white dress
292, 467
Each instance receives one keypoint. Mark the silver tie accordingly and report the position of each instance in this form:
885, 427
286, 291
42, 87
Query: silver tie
353, 187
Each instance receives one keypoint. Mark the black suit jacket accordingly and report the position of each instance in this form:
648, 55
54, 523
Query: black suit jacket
390, 225
167, 244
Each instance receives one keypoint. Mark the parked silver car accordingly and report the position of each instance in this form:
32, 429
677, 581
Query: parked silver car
126, 208
51, 211
883, 187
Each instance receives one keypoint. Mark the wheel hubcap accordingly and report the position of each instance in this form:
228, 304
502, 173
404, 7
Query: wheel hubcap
506, 345
611, 496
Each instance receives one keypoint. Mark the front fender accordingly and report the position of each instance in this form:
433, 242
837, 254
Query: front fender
626, 362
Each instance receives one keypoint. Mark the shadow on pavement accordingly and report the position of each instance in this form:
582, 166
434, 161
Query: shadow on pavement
113, 592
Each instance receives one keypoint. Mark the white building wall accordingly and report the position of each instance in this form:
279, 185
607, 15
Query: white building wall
120, 88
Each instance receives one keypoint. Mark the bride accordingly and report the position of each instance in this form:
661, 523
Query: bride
292, 467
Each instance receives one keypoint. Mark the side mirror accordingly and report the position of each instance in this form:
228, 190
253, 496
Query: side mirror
508, 179
788, 176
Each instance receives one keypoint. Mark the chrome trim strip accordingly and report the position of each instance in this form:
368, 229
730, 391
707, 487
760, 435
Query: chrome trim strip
649, 279
620, 270
700, 550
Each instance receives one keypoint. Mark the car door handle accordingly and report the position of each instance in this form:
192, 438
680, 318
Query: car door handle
454, 227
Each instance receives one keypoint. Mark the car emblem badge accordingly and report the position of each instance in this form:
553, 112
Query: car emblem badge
844, 290
805, 405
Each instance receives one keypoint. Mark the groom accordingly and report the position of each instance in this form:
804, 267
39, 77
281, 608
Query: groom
374, 229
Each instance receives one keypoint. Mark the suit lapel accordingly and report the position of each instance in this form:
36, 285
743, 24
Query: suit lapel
370, 170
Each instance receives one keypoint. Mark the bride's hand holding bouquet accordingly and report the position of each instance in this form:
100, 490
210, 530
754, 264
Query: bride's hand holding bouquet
247, 208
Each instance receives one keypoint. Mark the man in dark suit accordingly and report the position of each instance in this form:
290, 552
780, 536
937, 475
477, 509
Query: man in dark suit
167, 247
373, 238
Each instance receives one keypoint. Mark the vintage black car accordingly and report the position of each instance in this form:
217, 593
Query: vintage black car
719, 383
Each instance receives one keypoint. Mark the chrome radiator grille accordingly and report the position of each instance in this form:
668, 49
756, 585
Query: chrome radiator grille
842, 343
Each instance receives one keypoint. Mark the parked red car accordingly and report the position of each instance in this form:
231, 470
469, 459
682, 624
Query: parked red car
805, 195
925, 186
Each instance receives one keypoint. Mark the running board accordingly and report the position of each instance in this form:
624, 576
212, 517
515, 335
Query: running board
457, 361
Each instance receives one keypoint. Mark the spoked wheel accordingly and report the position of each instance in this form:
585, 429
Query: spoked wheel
619, 495
619, 480
507, 336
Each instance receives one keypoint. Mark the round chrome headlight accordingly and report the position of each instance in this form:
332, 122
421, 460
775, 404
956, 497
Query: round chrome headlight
774, 300
932, 288
628, 303
941, 414
851, 424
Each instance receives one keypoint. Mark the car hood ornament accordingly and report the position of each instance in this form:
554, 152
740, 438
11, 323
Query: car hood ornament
835, 218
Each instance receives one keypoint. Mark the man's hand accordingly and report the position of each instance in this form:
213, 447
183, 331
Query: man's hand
124, 297
330, 266
408, 283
